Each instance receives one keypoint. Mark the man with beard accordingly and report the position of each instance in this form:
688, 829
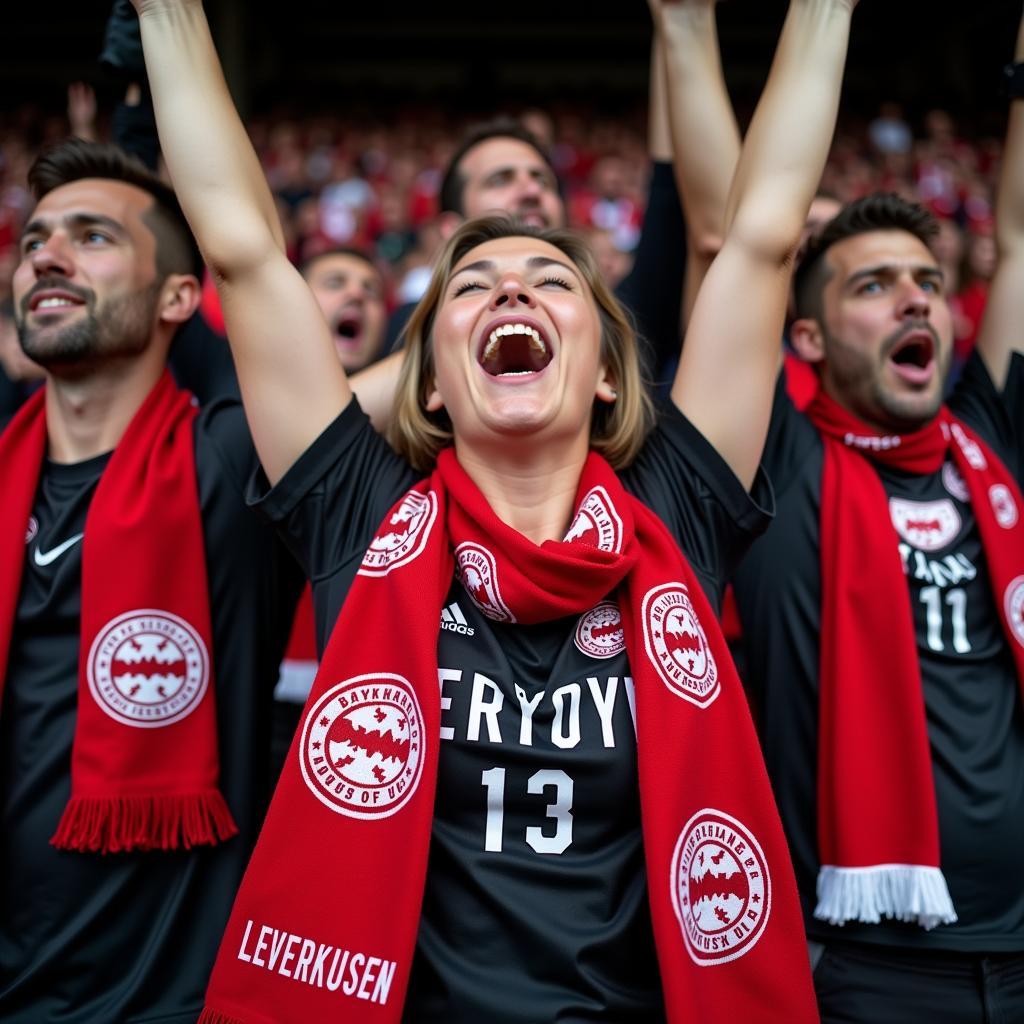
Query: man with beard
883, 616
142, 613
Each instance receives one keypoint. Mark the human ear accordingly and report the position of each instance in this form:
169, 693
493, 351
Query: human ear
807, 339
179, 298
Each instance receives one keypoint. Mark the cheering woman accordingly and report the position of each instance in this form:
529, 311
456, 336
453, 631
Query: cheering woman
526, 787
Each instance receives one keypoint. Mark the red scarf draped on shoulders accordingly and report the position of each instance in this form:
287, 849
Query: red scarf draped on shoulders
325, 923
144, 764
878, 832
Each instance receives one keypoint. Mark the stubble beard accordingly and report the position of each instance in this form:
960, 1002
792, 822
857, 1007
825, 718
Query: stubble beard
120, 329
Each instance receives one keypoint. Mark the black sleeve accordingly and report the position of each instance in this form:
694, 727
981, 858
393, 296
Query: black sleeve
691, 488
997, 417
653, 289
792, 439
331, 501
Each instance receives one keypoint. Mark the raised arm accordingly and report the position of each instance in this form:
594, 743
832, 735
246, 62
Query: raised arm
704, 135
729, 363
291, 382
1002, 327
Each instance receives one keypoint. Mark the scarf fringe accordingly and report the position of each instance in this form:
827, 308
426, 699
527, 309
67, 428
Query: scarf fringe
122, 823
906, 892
209, 1016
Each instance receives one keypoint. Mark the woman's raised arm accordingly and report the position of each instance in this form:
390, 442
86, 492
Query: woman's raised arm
292, 384
730, 357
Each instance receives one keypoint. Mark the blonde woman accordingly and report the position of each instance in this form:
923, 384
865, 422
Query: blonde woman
525, 787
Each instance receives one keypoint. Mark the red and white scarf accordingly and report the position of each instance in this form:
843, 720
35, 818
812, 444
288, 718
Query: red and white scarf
144, 766
325, 923
878, 832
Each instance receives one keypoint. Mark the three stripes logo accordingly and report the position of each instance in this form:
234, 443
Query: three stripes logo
454, 621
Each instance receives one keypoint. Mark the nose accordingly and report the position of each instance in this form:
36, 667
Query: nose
52, 257
510, 291
915, 302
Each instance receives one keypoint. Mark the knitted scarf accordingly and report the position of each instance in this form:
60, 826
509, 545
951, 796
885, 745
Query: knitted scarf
878, 831
325, 923
144, 760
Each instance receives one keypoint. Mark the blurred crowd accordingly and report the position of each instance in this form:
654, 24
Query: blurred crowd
374, 185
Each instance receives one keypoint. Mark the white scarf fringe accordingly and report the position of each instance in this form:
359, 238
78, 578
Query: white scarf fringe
906, 892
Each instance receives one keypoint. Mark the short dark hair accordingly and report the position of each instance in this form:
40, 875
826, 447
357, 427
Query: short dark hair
339, 250
879, 211
453, 183
76, 159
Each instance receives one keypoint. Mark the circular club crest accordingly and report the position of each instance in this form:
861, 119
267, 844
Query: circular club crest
599, 632
478, 572
148, 668
1013, 606
720, 887
32, 529
954, 482
362, 746
597, 522
402, 536
1003, 505
677, 645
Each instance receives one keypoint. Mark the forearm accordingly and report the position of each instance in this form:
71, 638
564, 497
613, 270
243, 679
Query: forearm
705, 136
1001, 333
787, 143
1010, 196
216, 174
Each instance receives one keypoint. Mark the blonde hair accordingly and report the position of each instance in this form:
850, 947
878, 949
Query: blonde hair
617, 431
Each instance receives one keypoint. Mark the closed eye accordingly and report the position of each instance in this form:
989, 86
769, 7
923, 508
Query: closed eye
465, 287
561, 282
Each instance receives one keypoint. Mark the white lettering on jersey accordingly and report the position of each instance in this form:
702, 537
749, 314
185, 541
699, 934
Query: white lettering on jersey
562, 736
605, 704
447, 675
480, 708
527, 708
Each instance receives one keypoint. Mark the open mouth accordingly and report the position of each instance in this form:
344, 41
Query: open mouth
514, 349
349, 328
913, 357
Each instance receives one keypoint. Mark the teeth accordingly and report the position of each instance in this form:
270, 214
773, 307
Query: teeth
494, 341
52, 303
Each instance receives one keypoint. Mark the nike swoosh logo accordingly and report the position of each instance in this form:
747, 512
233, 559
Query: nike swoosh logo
46, 557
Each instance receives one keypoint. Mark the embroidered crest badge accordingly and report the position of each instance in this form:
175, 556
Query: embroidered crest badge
677, 645
925, 525
720, 887
361, 751
597, 523
402, 536
478, 572
599, 632
1003, 505
148, 668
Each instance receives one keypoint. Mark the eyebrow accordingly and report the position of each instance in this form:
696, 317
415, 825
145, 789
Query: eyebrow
889, 268
533, 262
77, 220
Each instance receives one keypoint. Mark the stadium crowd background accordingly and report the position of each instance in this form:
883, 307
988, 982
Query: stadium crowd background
373, 183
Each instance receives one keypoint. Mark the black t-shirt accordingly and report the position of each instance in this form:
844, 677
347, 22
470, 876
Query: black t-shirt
90, 938
972, 698
535, 906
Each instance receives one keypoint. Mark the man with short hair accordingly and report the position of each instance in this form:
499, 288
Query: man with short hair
500, 165
883, 616
349, 289
143, 612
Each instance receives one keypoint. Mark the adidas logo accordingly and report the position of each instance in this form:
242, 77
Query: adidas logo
454, 621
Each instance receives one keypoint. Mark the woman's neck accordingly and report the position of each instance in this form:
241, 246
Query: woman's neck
532, 492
